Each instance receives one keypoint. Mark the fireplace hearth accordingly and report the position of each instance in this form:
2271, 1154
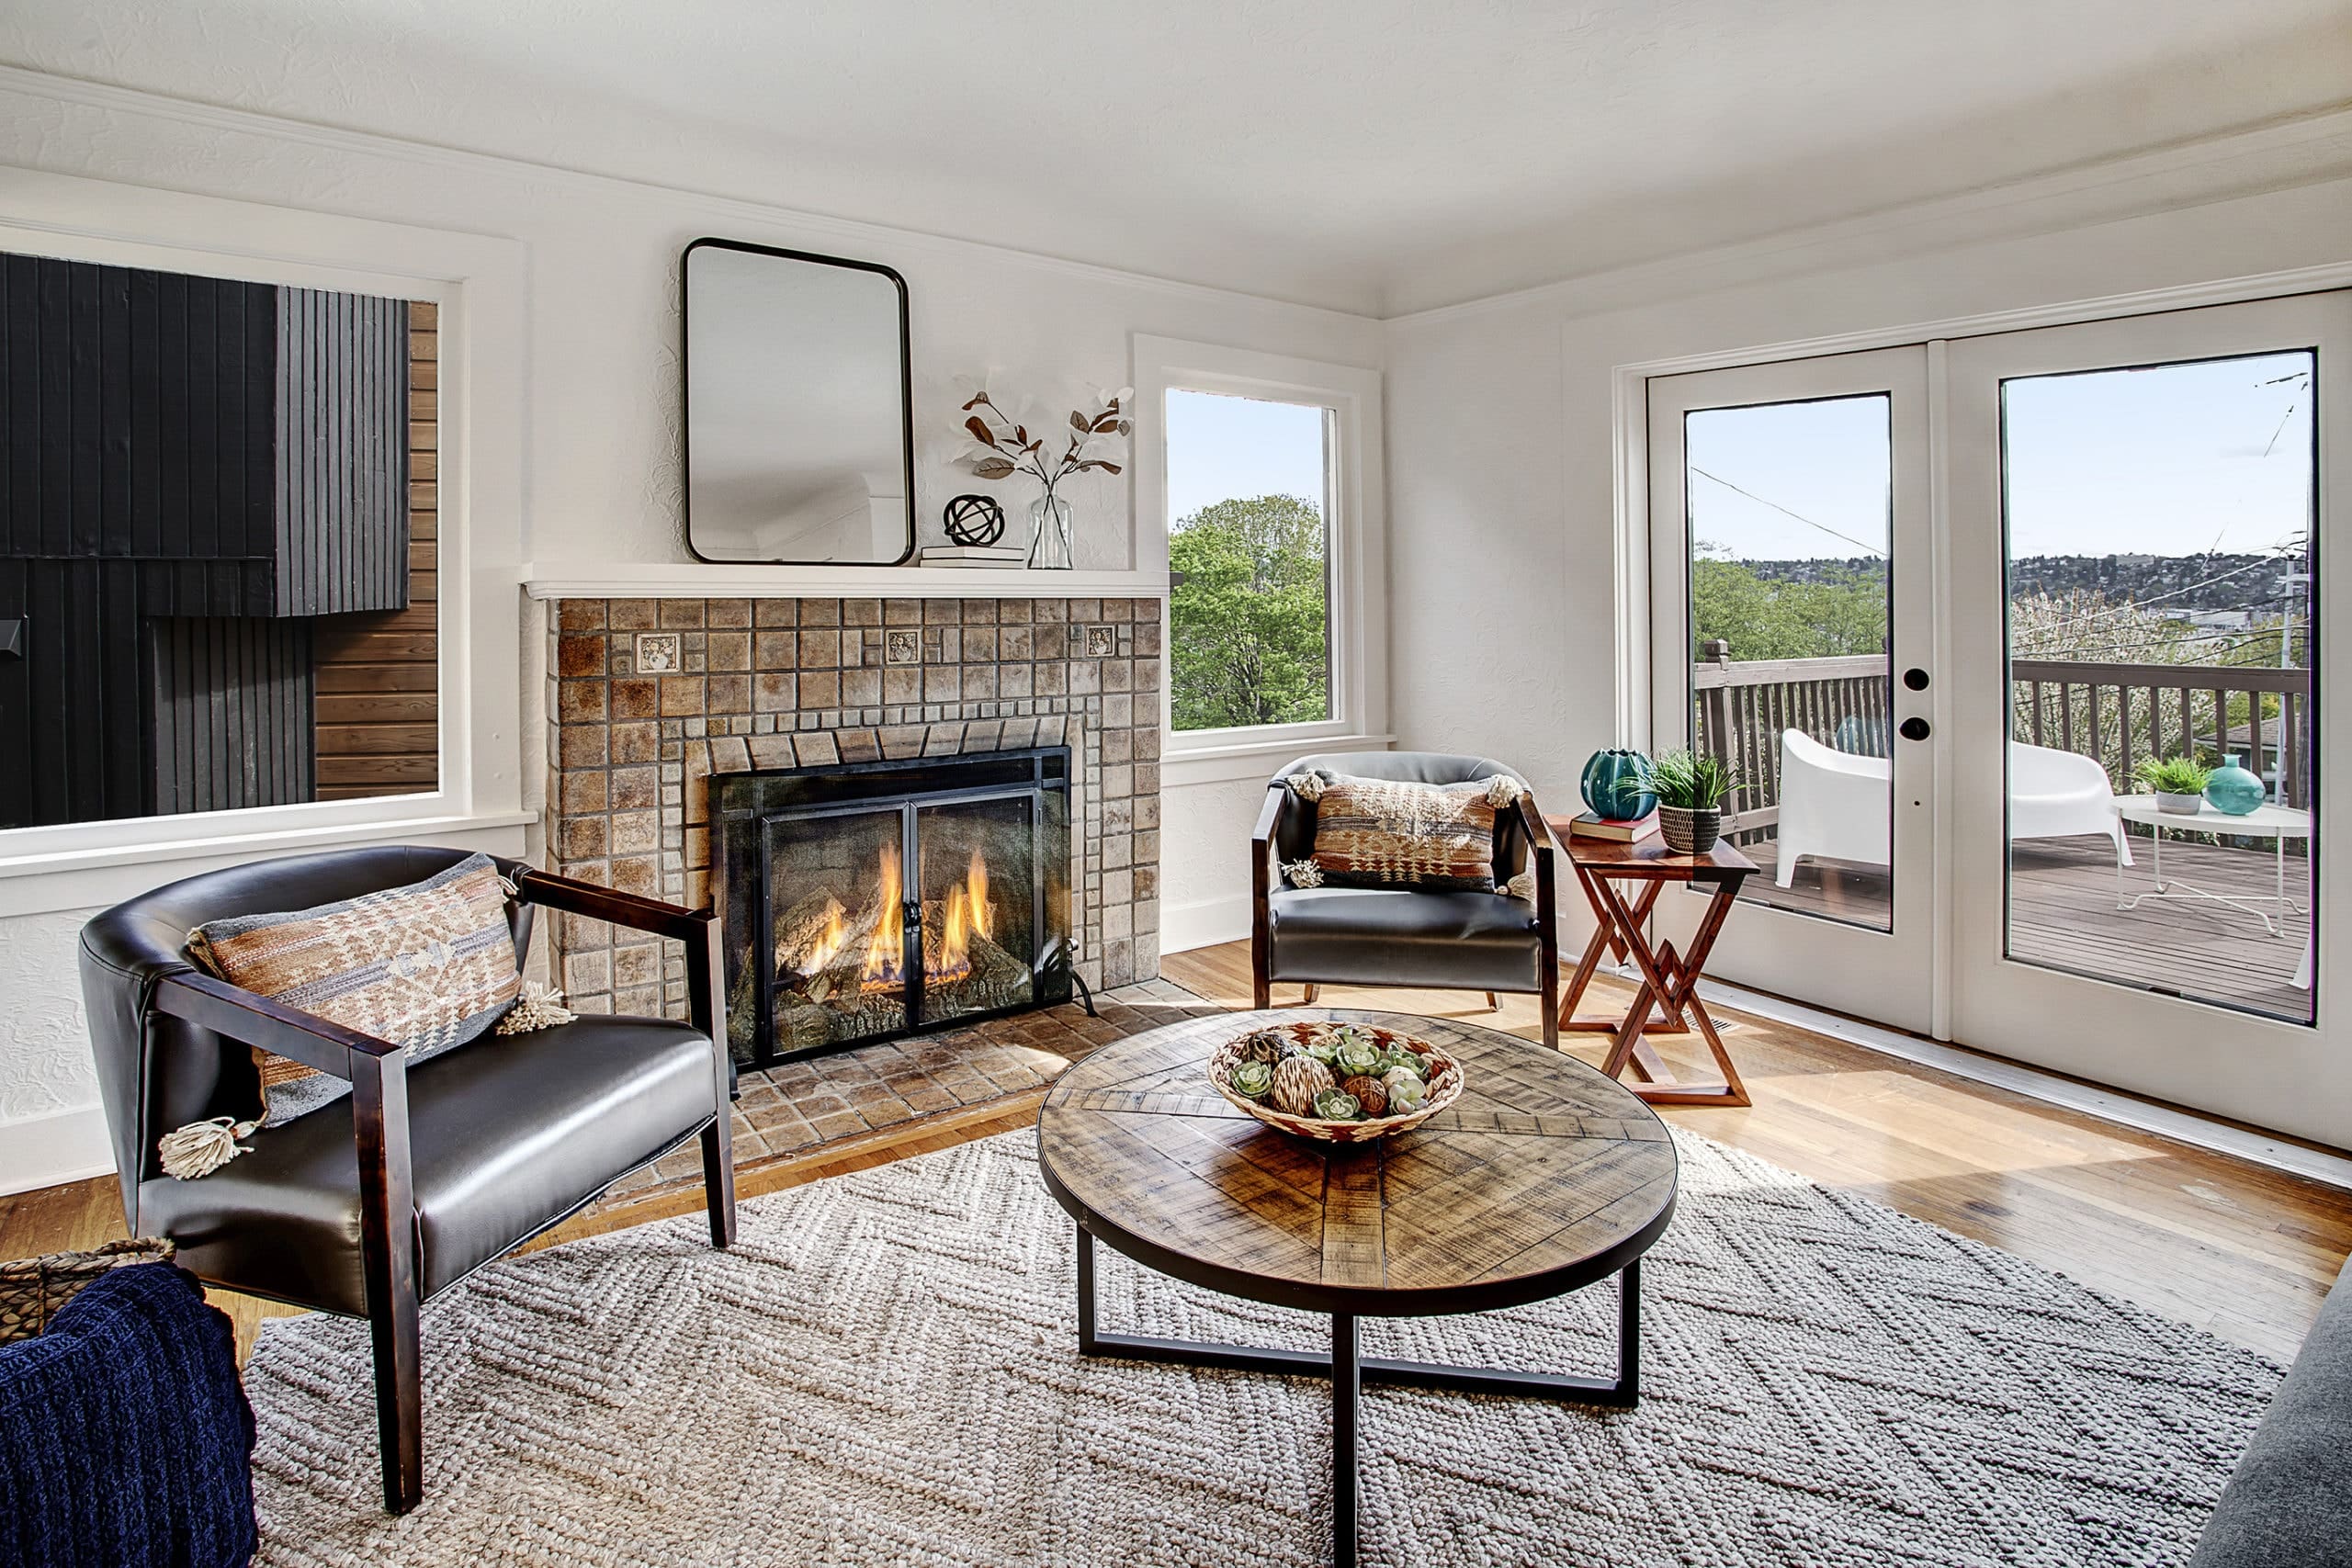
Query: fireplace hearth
866, 901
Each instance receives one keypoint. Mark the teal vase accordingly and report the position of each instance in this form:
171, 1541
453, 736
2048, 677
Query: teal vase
1612, 785
2234, 790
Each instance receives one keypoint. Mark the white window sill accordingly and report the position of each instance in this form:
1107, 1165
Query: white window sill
1223, 763
91, 878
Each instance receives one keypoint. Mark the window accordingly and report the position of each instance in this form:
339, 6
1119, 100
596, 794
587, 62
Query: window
1258, 475
218, 563
1250, 561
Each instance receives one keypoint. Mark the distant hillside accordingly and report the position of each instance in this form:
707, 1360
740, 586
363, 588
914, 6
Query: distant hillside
2184, 583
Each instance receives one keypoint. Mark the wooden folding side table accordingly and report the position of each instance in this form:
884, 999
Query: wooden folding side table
1667, 1002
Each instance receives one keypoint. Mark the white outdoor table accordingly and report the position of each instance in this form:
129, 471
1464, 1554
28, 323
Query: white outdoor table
2276, 823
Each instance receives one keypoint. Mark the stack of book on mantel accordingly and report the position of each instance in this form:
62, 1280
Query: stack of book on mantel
973, 555
1588, 826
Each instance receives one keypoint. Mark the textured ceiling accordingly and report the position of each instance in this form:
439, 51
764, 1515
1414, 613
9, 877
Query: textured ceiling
1375, 155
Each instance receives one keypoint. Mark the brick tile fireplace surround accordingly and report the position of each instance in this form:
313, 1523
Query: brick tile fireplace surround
649, 697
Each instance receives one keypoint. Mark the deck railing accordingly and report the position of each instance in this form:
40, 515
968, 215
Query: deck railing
1743, 708
2120, 714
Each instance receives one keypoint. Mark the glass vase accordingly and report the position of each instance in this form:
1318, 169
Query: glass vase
2234, 789
1049, 533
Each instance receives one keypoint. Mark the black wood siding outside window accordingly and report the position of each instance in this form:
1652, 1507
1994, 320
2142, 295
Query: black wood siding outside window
190, 469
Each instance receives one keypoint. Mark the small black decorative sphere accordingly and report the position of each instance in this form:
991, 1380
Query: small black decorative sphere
974, 520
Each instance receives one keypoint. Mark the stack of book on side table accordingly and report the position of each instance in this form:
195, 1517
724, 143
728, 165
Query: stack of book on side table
973, 555
1588, 826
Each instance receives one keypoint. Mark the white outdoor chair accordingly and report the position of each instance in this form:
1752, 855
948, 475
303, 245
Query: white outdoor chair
1834, 805
2056, 795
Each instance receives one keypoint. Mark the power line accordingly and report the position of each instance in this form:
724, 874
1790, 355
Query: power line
1799, 517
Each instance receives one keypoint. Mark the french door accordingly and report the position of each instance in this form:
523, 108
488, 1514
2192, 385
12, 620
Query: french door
2104, 554
1789, 539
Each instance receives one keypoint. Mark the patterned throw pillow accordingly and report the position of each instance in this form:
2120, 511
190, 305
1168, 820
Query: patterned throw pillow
1385, 833
428, 967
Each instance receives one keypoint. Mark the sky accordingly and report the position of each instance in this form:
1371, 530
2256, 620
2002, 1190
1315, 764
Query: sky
2169, 460
1221, 447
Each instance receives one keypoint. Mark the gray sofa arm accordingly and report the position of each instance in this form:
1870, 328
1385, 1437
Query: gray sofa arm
2289, 1501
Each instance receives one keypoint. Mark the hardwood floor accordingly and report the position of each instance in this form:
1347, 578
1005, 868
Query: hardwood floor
2241, 1251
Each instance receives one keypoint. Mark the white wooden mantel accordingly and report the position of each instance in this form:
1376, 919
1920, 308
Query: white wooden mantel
565, 580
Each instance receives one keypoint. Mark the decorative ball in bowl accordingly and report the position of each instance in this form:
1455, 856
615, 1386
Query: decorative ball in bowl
1339, 1083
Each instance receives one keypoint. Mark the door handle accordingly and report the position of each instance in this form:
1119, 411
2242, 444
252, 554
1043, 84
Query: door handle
1914, 729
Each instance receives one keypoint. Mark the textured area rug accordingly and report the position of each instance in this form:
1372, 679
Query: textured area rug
884, 1369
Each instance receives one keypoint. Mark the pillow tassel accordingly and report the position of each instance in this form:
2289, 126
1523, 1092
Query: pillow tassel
1303, 873
1521, 887
202, 1148
541, 1007
1503, 790
1309, 786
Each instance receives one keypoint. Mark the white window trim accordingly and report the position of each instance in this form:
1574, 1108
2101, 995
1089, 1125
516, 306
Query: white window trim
1358, 545
479, 283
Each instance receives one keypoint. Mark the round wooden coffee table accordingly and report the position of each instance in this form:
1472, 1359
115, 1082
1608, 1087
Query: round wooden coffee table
1543, 1177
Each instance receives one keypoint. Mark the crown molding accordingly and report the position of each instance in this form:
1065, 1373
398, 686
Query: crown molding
83, 93
2304, 150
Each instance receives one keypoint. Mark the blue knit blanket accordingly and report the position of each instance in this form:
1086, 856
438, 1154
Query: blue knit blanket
125, 1437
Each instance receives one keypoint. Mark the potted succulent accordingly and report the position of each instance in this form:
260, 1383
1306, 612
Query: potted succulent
1689, 787
2179, 783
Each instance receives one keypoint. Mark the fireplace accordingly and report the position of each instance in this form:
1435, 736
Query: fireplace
882, 898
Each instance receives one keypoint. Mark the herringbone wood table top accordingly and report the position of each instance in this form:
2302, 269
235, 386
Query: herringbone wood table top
1542, 1175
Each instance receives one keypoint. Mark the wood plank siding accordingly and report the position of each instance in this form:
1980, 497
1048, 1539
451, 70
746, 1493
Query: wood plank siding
342, 537
379, 675
232, 711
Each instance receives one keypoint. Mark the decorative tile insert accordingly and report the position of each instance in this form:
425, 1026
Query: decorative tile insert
804, 683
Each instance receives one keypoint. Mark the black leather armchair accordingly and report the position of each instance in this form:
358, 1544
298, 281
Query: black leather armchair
377, 1204
1365, 936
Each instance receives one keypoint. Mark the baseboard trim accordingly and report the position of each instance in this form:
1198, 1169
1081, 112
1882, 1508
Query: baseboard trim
1999, 1072
49, 1151
1203, 923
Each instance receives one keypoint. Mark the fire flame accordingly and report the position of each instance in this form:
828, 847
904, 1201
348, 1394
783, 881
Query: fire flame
828, 946
968, 916
965, 914
885, 953
975, 878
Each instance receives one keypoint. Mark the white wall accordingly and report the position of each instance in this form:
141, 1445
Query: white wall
599, 459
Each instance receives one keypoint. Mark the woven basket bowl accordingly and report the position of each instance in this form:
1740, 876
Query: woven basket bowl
1445, 1087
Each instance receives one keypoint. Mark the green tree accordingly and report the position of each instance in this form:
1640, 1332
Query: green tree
1841, 611
1246, 622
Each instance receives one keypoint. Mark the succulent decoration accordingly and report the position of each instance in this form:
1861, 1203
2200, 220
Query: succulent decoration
1333, 1072
1004, 445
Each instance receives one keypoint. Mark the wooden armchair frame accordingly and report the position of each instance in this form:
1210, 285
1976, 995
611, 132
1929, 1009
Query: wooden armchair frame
378, 1073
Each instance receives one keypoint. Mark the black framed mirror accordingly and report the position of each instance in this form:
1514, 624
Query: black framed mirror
799, 430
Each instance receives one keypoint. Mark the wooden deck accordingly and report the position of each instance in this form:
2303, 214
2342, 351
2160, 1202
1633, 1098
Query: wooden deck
2064, 915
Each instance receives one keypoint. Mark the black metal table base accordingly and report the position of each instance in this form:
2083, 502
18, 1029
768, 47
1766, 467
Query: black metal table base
1350, 1370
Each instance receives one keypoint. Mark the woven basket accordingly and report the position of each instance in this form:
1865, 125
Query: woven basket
1445, 1087
34, 1289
